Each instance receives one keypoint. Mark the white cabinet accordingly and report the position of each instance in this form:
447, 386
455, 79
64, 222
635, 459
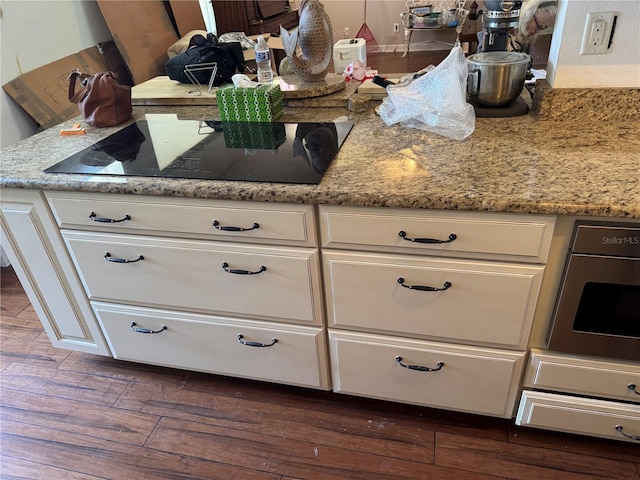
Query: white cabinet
391, 293
229, 346
584, 395
248, 222
198, 275
452, 377
611, 379
202, 285
429, 287
38, 256
500, 236
584, 416
424, 307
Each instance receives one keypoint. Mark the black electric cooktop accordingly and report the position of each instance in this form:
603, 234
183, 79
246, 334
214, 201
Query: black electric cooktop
164, 146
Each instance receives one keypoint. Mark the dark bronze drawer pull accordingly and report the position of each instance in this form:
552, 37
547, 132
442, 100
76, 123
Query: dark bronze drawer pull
137, 329
620, 429
425, 288
256, 344
225, 267
94, 218
420, 368
109, 258
403, 235
632, 387
217, 226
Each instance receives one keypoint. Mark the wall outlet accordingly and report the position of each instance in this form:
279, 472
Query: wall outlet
396, 27
346, 32
598, 33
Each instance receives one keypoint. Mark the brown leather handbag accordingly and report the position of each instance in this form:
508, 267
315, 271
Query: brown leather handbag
102, 101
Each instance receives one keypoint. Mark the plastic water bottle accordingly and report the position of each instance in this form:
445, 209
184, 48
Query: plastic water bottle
263, 61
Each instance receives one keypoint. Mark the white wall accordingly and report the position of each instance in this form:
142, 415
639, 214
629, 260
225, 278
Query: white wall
619, 67
33, 34
380, 18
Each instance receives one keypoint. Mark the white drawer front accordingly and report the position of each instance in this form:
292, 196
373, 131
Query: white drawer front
583, 416
608, 379
472, 379
491, 303
528, 237
189, 275
210, 344
292, 224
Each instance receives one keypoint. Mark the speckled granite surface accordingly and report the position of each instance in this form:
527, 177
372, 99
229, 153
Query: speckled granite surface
585, 104
519, 164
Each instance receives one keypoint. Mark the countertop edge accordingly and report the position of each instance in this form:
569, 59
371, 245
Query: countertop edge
314, 195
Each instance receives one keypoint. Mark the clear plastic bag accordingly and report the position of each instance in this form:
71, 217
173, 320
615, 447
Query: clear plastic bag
435, 101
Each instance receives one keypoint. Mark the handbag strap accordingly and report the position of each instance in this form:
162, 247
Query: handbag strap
75, 97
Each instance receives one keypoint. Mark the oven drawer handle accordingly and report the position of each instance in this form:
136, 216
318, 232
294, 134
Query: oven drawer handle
217, 226
420, 368
135, 328
109, 258
425, 288
225, 267
95, 218
632, 387
620, 429
403, 235
256, 344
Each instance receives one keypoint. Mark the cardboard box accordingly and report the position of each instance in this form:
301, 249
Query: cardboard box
143, 32
188, 16
44, 92
261, 104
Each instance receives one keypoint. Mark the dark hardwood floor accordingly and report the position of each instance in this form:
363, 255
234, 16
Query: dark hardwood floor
74, 416
389, 62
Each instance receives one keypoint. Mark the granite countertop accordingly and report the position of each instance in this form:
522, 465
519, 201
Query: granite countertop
566, 166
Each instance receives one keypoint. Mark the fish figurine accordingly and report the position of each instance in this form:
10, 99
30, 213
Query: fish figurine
314, 36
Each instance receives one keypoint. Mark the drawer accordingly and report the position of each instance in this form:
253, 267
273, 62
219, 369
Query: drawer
521, 237
584, 416
476, 380
281, 283
211, 344
598, 378
487, 302
277, 223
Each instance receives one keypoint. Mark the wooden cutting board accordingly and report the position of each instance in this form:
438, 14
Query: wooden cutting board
375, 91
164, 91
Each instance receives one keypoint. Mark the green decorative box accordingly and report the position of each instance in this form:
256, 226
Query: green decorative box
261, 104
254, 135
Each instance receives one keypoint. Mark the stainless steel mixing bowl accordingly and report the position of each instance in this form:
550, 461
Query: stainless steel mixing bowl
496, 79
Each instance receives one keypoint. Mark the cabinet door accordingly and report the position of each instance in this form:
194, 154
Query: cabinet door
248, 281
250, 222
290, 354
483, 302
584, 416
37, 253
612, 379
524, 238
466, 379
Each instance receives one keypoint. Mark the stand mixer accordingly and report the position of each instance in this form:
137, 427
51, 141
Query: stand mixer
498, 20
497, 74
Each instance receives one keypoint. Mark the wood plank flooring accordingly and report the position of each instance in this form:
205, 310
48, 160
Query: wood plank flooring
74, 416
389, 62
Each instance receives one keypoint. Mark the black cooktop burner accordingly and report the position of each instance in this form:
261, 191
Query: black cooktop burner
164, 146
